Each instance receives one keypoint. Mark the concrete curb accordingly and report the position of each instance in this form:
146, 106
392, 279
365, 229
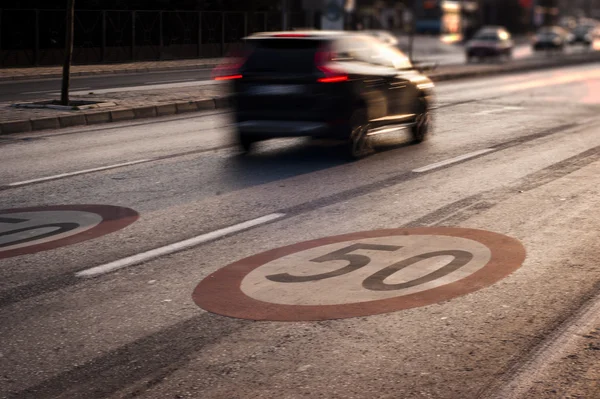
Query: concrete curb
118, 115
109, 72
143, 112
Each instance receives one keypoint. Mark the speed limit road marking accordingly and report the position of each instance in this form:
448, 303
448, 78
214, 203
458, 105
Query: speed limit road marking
29, 230
360, 274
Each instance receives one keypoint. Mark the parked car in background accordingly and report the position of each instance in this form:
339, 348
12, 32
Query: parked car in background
491, 41
385, 36
551, 38
330, 85
585, 34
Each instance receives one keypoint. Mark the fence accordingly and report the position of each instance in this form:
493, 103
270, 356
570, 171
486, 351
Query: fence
37, 37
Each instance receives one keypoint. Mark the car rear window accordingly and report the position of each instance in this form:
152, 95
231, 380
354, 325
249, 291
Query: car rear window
282, 55
487, 37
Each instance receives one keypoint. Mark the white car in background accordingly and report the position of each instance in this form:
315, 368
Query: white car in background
384, 36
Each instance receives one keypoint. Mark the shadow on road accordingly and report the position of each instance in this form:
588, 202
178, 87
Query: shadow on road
273, 162
139, 365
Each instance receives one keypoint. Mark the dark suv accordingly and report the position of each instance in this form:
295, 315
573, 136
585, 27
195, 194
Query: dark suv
330, 85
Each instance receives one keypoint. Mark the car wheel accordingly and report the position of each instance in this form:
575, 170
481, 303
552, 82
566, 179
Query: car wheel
359, 144
246, 143
420, 129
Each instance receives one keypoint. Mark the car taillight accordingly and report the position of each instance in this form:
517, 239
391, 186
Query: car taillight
333, 79
322, 60
228, 77
230, 67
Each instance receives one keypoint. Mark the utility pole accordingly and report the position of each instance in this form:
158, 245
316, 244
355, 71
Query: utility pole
64, 95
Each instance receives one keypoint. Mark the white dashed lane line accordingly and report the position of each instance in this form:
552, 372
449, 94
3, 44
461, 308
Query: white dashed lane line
177, 246
450, 161
79, 172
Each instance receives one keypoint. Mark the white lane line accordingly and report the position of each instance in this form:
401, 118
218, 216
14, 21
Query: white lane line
79, 172
497, 110
176, 247
153, 86
169, 81
452, 160
54, 91
38, 92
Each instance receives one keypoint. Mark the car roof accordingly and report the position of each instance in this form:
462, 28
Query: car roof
491, 28
300, 34
553, 28
377, 32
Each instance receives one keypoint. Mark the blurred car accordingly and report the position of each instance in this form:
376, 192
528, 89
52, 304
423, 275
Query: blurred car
490, 42
385, 36
585, 34
568, 23
551, 38
330, 85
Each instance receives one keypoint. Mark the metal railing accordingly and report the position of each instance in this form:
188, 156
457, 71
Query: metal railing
36, 37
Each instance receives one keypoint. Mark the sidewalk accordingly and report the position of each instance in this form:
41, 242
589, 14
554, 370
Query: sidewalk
9, 74
156, 101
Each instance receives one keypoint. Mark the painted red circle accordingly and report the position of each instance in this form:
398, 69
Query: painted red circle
221, 291
113, 218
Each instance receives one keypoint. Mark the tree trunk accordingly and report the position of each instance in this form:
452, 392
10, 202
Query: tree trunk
64, 96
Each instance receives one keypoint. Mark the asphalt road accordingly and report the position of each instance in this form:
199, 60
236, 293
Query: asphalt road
23, 90
516, 155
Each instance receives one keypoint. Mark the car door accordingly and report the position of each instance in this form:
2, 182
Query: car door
357, 53
401, 91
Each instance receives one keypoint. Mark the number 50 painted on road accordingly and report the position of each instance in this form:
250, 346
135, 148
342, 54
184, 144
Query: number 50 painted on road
376, 282
58, 228
281, 284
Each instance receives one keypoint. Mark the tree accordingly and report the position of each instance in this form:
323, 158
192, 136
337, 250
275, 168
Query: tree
66, 78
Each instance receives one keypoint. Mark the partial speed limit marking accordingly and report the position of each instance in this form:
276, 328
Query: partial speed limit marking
30, 230
360, 274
